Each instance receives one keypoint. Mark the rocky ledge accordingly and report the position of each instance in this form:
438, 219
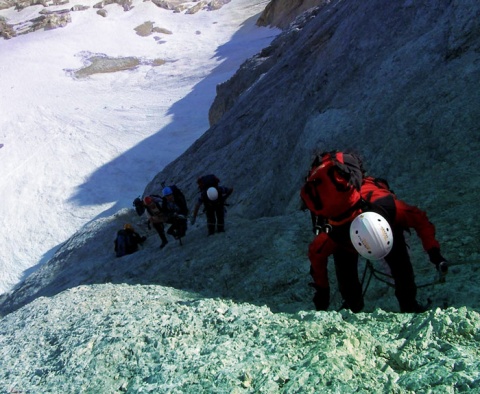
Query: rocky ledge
50, 17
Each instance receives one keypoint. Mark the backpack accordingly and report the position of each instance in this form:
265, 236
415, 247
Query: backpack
180, 200
157, 212
206, 181
139, 207
332, 187
124, 243
181, 227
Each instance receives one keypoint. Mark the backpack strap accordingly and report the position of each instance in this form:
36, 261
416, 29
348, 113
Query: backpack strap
311, 191
349, 214
369, 195
380, 184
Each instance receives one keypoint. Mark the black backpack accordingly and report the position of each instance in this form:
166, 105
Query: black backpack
181, 227
180, 200
206, 181
139, 207
124, 243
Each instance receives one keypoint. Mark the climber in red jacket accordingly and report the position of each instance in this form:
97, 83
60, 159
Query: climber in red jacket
374, 196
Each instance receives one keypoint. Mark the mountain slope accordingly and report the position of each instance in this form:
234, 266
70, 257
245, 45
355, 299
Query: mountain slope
268, 136
380, 79
105, 110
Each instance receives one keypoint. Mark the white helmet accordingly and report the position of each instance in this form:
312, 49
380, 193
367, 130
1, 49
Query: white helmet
371, 235
212, 193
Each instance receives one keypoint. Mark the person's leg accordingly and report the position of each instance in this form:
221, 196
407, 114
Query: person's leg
220, 212
180, 227
402, 271
161, 232
171, 229
346, 268
211, 220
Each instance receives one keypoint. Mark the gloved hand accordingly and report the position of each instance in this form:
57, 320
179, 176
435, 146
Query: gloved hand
439, 261
192, 221
321, 299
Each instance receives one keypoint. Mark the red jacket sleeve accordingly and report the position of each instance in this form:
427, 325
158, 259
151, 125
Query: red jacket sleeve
411, 217
320, 248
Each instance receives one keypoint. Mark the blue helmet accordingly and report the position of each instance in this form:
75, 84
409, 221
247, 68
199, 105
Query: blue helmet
167, 191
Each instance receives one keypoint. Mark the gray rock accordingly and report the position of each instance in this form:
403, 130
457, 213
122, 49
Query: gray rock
46, 20
5, 4
280, 13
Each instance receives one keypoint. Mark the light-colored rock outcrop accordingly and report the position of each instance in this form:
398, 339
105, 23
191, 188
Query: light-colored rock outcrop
59, 18
46, 20
280, 13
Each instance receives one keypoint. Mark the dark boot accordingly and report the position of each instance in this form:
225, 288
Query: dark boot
164, 241
412, 307
354, 305
321, 299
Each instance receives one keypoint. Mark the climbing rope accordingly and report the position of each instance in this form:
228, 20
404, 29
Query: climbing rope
376, 274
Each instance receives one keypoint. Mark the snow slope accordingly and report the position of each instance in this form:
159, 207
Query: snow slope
57, 130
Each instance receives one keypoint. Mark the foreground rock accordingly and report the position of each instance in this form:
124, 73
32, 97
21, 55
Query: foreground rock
120, 338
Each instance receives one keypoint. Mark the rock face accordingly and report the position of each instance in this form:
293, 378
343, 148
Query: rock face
47, 20
277, 14
280, 13
229, 91
382, 79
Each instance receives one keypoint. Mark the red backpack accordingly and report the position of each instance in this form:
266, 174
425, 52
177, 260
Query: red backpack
332, 187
